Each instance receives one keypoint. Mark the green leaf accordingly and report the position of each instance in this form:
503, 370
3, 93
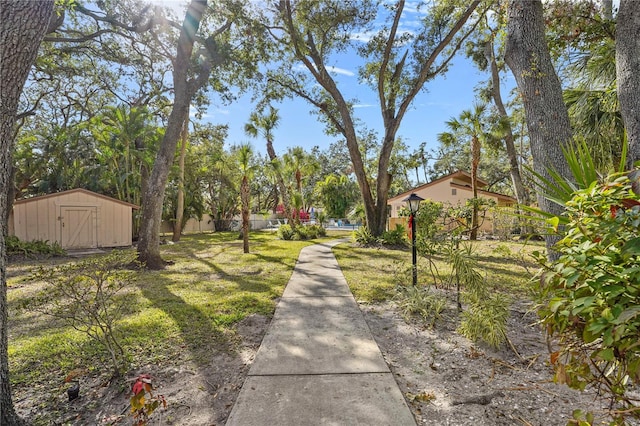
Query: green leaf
631, 247
606, 354
628, 314
554, 222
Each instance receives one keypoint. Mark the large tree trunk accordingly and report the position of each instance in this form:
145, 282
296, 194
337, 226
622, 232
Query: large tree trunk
282, 188
152, 199
527, 54
22, 26
514, 166
628, 74
177, 226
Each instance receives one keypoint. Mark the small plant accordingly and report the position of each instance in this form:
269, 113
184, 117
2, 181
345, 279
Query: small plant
397, 237
486, 320
85, 296
32, 248
143, 401
285, 232
486, 314
503, 250
363, 236
421, 301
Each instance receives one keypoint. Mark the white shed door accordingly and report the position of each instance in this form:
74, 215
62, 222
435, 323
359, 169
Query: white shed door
79, 227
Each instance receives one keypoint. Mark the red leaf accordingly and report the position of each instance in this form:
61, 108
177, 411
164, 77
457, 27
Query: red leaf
629, 202
138, 387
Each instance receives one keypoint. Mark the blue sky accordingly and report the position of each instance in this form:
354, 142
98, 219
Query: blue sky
444, 97
441, 99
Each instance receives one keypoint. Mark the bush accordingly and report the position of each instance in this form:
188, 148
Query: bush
285, 232
301, 232
319, 230
397, 237
32, 248
591, 294
363, 236
85, 295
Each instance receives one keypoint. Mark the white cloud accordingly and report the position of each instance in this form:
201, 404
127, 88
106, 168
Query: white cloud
342, 71
363, 105
364, 37
331, 69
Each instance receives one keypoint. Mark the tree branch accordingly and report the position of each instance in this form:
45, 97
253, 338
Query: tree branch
384, 105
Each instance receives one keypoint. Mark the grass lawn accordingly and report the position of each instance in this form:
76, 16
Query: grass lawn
373, 273
183, 312
190, 309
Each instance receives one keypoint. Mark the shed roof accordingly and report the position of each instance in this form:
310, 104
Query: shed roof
71, 191
458, 174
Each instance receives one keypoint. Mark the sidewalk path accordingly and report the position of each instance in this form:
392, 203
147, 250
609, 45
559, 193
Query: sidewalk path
318, 363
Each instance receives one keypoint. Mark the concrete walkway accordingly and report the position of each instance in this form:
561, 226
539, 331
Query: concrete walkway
318, 363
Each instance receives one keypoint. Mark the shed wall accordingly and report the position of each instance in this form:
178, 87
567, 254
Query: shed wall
105, 223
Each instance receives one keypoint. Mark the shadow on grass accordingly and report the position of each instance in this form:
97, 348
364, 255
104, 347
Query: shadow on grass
198, 330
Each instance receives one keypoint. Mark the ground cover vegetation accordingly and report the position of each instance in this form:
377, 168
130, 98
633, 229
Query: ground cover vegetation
109, 87
96, 322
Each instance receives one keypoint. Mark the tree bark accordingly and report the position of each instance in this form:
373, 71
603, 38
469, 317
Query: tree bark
527, 55
152, 199
286, 203
393, 97
22, 27
177, 227
628, 74
514, 165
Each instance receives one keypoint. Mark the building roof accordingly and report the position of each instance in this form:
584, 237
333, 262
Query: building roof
459, 174
71, 191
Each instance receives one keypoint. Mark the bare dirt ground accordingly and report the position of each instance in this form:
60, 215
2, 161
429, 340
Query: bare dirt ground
445, 378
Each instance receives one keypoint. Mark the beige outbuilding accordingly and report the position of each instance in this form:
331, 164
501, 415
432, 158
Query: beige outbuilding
75, 219
453, 189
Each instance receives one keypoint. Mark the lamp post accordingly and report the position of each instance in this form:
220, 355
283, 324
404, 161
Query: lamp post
413, 202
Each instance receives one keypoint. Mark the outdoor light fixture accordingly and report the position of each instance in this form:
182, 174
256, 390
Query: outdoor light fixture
413, 202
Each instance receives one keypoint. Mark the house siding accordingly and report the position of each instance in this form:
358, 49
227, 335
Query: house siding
441, 191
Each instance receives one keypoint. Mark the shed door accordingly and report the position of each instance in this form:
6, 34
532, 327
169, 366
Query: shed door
79, 227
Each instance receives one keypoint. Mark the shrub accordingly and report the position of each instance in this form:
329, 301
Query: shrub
85, 295
319, 230
363, 236
301, 232
429, 219
591, 294
32, 248
285, 232
397, 237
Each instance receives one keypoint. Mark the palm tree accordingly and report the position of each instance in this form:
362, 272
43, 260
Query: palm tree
244, 158
302, 166
470, 124
264, 125
593, 105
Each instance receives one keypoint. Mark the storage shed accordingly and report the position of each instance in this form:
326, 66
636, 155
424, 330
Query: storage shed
76, 219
